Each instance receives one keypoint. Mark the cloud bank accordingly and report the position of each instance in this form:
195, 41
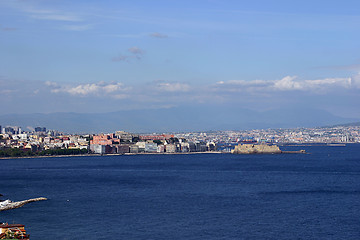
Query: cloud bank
328, 93
98, 89
173, 87
289, 83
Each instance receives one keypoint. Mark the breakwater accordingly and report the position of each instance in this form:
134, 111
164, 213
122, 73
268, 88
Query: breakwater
13, 205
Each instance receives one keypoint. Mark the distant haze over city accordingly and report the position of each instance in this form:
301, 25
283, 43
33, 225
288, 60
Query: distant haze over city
175, 120
167, 66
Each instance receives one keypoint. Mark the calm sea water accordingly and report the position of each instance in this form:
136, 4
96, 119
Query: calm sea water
200, 196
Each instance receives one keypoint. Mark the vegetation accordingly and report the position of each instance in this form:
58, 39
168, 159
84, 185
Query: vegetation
52, 152
158, 142
16, 152
174, 140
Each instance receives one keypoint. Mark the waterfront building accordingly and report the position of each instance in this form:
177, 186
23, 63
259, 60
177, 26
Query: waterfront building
192, 147
97, 148
123, 148
134, 148
185, 147
124, 136
103, 139
160, 148
170, 148
211, 146
150, 147
141, 146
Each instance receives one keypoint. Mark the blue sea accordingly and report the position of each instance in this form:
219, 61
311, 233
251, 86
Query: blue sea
190, 196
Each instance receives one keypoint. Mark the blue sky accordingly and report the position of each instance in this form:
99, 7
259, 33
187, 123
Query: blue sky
100, 56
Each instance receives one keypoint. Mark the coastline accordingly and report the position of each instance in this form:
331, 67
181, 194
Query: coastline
110, 154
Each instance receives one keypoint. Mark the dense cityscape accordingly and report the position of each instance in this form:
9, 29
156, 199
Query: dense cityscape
40, 141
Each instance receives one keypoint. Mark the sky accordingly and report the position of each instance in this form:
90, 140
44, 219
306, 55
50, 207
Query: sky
103, 56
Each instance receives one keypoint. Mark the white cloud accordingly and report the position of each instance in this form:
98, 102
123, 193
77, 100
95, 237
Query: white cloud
288, 83
84, 89
112, 87
245, 83
355, 81
51, 84
260, 94
166, 92
100, 88
328, 83
173, 87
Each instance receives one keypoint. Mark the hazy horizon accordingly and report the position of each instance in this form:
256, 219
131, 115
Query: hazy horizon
176, 120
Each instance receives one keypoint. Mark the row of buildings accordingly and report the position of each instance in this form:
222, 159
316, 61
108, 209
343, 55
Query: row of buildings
119, 142
122, 142
336, 134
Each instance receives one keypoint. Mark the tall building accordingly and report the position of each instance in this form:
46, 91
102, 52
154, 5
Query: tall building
40, 129
9, 130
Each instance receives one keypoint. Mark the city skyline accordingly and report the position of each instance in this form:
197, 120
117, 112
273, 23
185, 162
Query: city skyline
97, 57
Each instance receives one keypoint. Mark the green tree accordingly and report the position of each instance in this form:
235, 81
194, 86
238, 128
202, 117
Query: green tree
158, 142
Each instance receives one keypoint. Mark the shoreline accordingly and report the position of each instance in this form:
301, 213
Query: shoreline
110, 154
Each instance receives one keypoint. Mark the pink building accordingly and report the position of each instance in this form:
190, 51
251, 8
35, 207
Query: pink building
101, 139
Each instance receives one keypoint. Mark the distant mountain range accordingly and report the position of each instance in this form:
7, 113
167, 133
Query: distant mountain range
179, 119
352, 124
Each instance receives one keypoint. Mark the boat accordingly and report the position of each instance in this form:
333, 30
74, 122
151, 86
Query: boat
13, 231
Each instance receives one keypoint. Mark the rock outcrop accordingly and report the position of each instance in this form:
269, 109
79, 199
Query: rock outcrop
256, 149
